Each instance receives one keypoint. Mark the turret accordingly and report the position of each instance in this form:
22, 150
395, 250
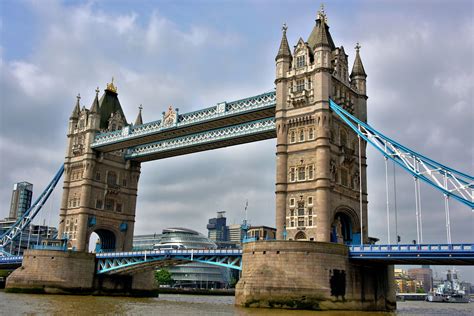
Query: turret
74, 115
358, 75
94, 116
320, 41
283, 58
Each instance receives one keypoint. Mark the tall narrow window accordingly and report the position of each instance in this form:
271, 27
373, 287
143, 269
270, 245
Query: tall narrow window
300, 221
310, 172
299, 85
310, 200
292, 174
344, 177
292, 136
300, 61
301, 174
310, 211
292, 202
109, 204
300, 208
310, 221
111, 178
311, 133
302, 135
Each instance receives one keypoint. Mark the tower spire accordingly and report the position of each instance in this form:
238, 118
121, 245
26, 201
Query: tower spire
284, 51
358, 68
139, 120
320, 35
95, 103
77, 108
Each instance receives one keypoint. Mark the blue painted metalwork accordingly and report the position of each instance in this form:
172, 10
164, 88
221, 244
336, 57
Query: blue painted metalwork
11, 260
220, 134
451, 182
30, 214
50, 247
221, 110
116, 262
452, 254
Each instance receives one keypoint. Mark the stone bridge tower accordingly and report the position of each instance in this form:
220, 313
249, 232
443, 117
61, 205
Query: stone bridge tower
100, 189
317, 177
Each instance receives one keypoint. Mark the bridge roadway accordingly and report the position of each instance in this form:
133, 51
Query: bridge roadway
127, 262
225, 124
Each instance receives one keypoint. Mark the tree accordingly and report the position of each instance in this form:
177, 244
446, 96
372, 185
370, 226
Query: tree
420, 290
163, 277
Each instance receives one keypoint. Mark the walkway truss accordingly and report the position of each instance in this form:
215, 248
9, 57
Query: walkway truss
450, 182
29, 215
127, 262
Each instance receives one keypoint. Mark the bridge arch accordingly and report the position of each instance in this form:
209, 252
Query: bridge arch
345, 227
108, 239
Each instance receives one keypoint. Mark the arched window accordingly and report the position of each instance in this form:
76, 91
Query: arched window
292, 136
300, 236
302, 135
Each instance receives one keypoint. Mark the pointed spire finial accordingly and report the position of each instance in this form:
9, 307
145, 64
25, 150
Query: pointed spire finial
97, 91
139, 120
322, 14
140, 108
111, 86
78, 97
357, 47
284, 28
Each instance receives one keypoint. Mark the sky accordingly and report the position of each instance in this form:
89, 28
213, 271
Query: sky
419, 57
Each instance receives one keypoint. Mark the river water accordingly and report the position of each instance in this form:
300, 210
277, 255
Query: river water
176, 305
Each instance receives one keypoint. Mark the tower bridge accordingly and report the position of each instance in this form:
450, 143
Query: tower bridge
321, 258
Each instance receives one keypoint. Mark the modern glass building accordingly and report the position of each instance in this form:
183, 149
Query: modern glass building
191, 275
21, 199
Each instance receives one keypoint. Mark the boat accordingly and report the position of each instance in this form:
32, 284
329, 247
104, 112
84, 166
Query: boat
450, 291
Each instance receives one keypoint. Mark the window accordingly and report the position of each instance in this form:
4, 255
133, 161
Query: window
300, 208
292, 174
300, 61
301, 174
109, 204
310, 200
302, 135
343, 138
299, 85
292, 136
344, 176
292, 224
292, 202
310, 211
111, 178
300, 221
97, 176
311, 133
118, 207
124, 182
98, 204
310, 172
292, 213
310, 221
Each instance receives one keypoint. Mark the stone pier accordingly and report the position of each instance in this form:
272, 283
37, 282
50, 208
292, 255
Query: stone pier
59, 272
311, 275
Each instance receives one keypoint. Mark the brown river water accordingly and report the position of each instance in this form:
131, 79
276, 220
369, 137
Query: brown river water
176, 305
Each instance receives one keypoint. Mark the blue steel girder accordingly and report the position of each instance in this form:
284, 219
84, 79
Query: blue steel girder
450, 182
217, 138
127, 262
223, 114
434, 254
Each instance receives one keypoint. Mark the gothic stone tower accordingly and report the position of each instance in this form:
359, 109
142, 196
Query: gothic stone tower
100, 189
317, 177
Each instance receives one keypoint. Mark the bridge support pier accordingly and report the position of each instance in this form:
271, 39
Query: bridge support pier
60, 272
311, 275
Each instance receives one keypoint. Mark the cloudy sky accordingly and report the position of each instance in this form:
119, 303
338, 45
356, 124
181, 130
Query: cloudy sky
419, 57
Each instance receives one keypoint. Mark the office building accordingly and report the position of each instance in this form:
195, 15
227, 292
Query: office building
21, 199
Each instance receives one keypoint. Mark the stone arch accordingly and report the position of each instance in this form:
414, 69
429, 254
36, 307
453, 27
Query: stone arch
300, 236
345, 226
108, 239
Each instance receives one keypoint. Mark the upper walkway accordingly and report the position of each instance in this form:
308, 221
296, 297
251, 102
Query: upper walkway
174, 126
